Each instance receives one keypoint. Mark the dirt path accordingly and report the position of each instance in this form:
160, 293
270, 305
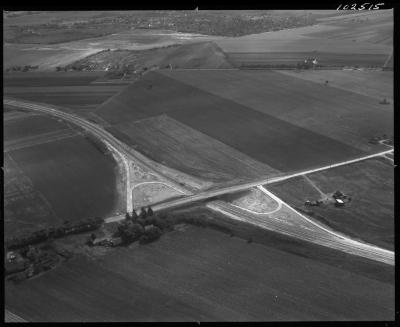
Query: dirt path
323, 195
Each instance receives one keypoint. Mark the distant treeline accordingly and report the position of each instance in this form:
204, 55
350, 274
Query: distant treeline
54, 232
24, 69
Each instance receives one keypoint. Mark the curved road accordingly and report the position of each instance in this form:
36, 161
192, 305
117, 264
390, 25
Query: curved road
125, 152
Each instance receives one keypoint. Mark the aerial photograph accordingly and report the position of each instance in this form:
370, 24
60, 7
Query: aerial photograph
199, 165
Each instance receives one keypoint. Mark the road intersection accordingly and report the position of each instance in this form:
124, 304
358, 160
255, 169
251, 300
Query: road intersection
326, 237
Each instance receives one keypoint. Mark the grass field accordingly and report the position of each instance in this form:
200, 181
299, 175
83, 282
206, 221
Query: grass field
340, 114
370, 214
185, 149
196, 274
273, 141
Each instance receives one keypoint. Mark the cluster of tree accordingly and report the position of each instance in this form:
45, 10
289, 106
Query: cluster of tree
24, 69
145, 227
35, 260
53, 232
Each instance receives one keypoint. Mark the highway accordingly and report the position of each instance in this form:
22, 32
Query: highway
133, 155
289, 221
122, 150
309, 230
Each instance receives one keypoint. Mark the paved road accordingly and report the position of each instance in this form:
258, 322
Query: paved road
125, 151
290, 222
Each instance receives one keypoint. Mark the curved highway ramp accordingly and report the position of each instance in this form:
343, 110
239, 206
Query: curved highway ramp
290, 222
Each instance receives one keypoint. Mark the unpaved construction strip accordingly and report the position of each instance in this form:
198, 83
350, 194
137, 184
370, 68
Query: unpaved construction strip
292, 223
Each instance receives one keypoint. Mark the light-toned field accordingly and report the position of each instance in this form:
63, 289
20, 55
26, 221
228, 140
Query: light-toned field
148, 193
337, 42
339, 113
62, 54
46, 57
373, 27
256, 201
371, 83
299, 40
183, 148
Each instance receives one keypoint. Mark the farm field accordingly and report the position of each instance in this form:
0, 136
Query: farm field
370, 214
341, 40
376, 84
183, 148
73, 97
43, 79
374, 27
200, 275
30, 126
192, 55
249, 59
25, 209
259, 135
340, 114
50, 177
75, 92
77, 179
47, 58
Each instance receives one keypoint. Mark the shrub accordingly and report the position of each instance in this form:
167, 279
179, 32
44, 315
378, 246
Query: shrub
151, 234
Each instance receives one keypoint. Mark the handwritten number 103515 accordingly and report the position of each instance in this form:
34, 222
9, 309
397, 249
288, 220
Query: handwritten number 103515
364, 6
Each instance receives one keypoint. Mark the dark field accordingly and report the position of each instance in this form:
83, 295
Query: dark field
74, 91
49, 79
25, 209
340, 114
292, 58
200, 275
30, 126
279, 144
74, 97
185, 149
75, 178
370, 214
